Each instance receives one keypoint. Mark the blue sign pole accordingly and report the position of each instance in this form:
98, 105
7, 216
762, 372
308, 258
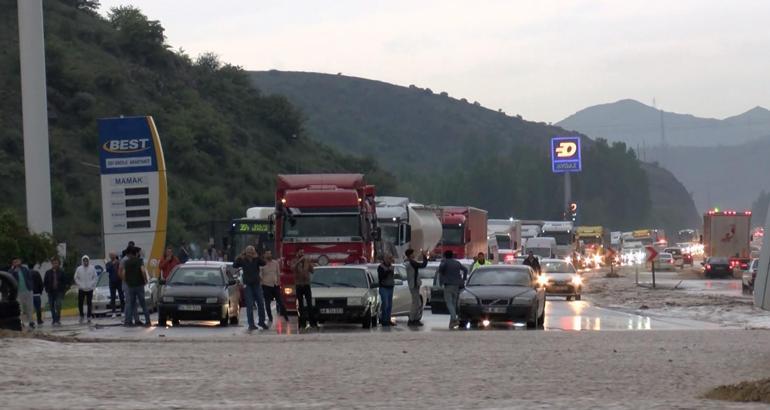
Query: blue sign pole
566, 158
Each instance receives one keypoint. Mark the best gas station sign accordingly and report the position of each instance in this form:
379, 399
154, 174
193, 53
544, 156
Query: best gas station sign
566, 155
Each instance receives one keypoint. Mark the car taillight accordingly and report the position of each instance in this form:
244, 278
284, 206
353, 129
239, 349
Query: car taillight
708, 266
744, 266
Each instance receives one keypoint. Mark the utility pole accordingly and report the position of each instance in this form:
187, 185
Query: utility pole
567, 194
37, 171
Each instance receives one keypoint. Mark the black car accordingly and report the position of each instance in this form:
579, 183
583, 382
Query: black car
502, 293
717, 266
200, 291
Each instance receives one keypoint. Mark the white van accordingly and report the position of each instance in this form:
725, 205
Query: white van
542, 247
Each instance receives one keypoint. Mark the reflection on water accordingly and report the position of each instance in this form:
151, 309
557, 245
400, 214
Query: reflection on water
579, 315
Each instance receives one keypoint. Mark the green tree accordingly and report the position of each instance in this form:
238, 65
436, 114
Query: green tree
16, 240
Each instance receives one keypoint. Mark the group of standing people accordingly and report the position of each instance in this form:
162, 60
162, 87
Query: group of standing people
261, 285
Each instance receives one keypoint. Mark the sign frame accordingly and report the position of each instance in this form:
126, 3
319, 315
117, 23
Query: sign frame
571, 163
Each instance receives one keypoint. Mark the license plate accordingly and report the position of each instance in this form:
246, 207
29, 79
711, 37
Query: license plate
495, 310
190, 308
331, 311
558, 288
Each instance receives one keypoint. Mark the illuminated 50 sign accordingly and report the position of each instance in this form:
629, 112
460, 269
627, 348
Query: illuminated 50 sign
565, 154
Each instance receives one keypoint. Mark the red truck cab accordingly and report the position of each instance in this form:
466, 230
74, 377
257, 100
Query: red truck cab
464, 232
332, 217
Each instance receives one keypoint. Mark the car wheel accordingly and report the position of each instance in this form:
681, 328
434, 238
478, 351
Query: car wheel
577, 297
568, 298
234, 320
366, 321
532, 322
175, 321
224, 322
462, 324
375, 320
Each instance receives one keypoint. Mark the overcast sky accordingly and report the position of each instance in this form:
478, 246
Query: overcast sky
542, 59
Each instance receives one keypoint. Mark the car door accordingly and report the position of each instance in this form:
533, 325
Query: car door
233, 291
402, 298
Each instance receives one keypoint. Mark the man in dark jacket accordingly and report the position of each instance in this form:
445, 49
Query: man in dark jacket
55, 284
250, 264
532, 262
413, 277
37, 291
452, 276
135, 276
116, 285
386, 276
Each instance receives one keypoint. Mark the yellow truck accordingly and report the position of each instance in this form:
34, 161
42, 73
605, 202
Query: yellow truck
591, 242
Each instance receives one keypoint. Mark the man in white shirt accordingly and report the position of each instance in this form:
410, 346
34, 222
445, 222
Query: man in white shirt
271, 286
85, 279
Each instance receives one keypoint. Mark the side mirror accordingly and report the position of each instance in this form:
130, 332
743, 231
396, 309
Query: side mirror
161, 281
374, 285
377, 233
404, 234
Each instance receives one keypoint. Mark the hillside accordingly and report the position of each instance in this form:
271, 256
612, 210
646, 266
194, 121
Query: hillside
724, 177
224, 141
638, 124
448, 150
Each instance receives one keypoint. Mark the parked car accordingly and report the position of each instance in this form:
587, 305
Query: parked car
101, 300
665, 261
749, 276
560, 278
502, 293
437, 304
346, 294
10, 311
717, 266
200, 291
677, 254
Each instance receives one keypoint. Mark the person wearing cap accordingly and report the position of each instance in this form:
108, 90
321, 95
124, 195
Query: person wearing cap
85, 279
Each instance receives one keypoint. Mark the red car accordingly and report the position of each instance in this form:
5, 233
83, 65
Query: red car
687, 259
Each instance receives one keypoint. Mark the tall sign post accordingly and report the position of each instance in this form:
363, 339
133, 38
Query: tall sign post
134, 188
34, 111
565, 159
762, 281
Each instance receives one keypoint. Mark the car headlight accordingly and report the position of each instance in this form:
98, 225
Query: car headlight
467, 299
577, 280
168, 299
100, 297
212, 300
542, 280
355, 301
288, 291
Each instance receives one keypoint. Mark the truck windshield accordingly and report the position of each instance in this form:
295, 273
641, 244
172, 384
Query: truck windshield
591, 240
543, 252
259, 241
453, 235
308, 226
562, 238
503, 242
389, 233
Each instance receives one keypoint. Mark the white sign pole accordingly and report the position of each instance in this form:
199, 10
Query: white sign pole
761, 283
37, 171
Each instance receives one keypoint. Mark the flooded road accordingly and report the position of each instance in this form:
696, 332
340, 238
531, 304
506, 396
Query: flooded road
561, 315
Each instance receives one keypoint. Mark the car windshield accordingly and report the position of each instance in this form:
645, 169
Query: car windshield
333, 226
340, 277
542, 252
452, 235
428, 272
674, 251
718, 261
665, 256
191, 276
500, 277
557, 267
